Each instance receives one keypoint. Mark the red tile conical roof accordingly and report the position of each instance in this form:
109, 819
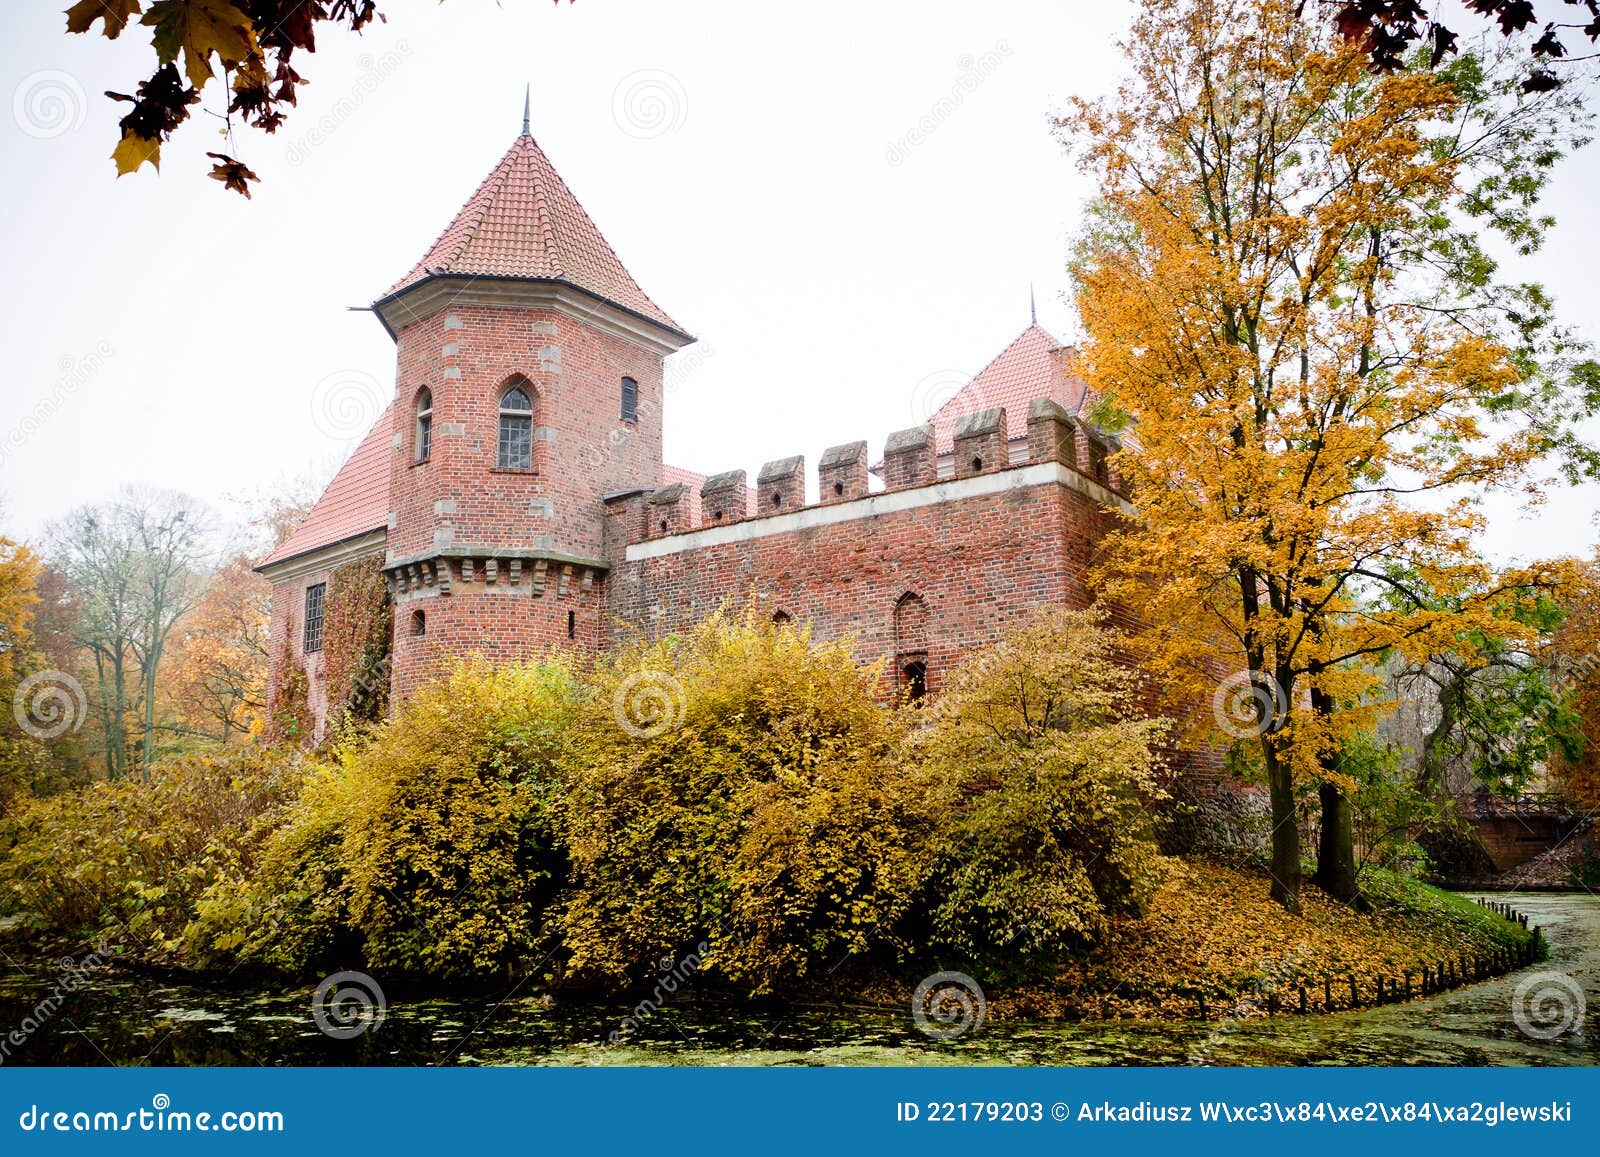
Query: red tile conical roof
524, 222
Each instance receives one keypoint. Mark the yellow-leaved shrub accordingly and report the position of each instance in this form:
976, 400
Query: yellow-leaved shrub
1043, 769
736, 786
736, 793
131, 859
432, 847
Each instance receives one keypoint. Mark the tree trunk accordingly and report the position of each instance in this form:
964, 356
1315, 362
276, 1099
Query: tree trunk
1431, 773
1336, 851
1285, 865
1336, 848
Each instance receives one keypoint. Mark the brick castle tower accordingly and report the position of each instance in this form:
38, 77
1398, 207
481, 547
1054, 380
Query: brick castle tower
528, 386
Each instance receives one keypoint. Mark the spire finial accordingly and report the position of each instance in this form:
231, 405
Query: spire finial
527, 93
1033, 312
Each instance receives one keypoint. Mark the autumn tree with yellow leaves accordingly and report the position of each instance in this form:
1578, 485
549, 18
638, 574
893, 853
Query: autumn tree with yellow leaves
1577, 677
1286, 293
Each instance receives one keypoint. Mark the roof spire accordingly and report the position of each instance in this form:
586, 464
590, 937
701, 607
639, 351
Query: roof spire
1033, 312
527, 92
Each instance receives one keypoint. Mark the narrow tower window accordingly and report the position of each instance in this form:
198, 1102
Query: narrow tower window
313, 628
516, 431
630, 400
424, 439
914, 681
911, 646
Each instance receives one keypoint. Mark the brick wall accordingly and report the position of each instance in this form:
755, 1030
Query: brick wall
286, 637
581, 448
501, 621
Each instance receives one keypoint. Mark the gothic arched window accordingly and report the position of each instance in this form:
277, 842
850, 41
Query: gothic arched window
516, 430
424, 438
911, 646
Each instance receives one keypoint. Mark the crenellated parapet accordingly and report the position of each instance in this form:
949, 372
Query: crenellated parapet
910, 461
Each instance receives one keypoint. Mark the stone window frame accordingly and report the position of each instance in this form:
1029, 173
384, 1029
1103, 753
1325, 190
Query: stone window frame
510, 418
422, 427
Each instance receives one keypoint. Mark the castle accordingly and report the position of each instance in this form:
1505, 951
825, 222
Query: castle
515, 491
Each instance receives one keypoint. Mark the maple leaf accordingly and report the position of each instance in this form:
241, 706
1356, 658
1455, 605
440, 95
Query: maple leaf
1541, 80
286, 24
1444, 44
200, 28
252, 96
1515, 15
1352, 23
162, 104
233, 174
133, 151
1549, 44
115, 13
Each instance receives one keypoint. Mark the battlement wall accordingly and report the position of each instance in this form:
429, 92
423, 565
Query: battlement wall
909, 463
916, 574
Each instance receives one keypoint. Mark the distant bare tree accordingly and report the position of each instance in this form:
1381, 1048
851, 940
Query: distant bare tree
137, 564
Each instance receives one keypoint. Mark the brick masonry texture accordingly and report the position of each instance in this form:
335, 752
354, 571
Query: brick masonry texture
979, 565
582, 449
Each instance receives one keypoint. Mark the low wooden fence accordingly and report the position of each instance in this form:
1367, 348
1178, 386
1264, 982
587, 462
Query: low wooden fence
1344, 993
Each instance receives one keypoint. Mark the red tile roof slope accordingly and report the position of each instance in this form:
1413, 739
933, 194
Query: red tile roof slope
355, 502
1035, 365
524, 222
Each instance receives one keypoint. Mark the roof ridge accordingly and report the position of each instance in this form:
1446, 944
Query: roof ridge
599, 233
470, 230
541, 209
1013, 344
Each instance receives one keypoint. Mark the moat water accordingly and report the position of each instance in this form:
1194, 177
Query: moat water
121, 1018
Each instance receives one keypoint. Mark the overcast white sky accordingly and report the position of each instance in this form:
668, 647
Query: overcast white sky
753, 165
